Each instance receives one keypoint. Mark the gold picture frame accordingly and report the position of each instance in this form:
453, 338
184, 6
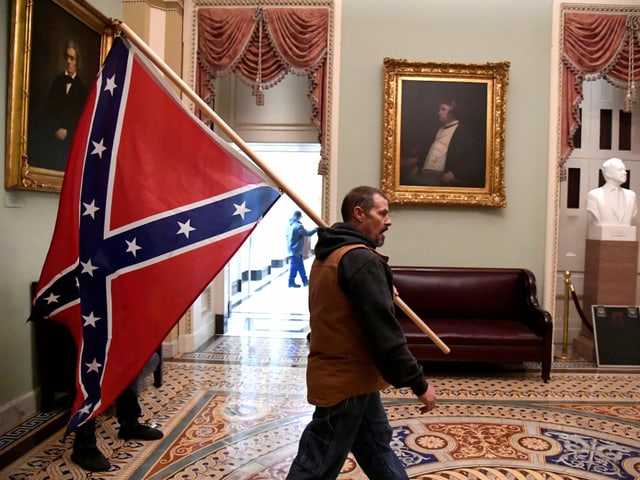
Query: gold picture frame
474, 98
42, 33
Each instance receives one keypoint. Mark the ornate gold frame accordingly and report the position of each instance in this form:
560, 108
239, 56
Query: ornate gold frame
429, 83
19, 174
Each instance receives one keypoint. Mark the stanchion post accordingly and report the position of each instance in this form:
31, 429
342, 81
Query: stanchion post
565, 327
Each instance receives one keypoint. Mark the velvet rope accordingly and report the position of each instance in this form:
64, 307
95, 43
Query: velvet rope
594, 46
585, 322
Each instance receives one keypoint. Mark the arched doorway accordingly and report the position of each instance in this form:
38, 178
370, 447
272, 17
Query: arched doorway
566, 224
262, 128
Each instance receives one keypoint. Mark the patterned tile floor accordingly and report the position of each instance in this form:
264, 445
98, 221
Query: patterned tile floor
235, 410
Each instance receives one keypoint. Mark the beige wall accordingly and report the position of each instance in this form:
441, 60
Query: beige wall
160, 26
464, 31
435, 30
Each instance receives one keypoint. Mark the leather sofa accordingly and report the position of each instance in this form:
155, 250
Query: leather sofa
481, 314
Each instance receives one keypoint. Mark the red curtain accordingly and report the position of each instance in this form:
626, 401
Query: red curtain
261, 45
595, 46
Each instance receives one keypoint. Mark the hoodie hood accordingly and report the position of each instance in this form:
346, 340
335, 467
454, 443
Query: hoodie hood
339, 235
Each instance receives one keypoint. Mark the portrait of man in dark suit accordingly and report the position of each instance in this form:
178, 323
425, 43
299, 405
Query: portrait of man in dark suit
443, 141
64, 105
65, 58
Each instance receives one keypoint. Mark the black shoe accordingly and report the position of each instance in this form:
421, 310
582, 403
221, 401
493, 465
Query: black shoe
305, 284
294, 285
139, 432
91, 459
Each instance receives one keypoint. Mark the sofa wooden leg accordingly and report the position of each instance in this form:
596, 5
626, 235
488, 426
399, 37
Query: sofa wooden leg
546, 371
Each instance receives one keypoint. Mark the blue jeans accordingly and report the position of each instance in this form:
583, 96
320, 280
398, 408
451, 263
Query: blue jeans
297, 266
357, 424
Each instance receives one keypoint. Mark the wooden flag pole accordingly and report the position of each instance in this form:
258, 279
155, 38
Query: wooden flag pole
229, 132
421, 325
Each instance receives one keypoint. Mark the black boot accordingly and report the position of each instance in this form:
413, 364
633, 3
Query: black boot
85, 449
91, 459
137, 431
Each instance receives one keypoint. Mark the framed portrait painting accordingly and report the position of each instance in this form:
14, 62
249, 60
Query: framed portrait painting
444, 133
57, 47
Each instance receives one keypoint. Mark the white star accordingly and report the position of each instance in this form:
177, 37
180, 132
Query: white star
132, 246
52, 298
90, 209
91, 319
77, 282
86, 409
93, 366
111, 84
185, 228
241, 209
88, 267
98, 147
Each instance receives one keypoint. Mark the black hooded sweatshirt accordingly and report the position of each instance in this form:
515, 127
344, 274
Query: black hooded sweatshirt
367, 280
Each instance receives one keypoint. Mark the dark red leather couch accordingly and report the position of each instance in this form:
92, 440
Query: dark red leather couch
482, 314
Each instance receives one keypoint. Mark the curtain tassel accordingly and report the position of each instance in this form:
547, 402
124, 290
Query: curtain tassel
632, 93
258, 90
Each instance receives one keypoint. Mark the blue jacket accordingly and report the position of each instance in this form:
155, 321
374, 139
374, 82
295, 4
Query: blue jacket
295, 236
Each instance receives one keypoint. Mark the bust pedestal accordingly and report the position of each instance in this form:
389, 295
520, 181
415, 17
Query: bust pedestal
610, 275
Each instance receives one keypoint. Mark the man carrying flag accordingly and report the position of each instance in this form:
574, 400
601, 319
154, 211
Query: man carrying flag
152, 207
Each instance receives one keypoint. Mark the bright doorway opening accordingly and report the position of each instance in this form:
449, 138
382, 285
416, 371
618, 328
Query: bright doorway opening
260, 302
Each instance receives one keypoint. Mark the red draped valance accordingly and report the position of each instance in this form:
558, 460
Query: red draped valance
595, 46
261, 45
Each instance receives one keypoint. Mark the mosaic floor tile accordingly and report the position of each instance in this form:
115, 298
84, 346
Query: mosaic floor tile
235, 410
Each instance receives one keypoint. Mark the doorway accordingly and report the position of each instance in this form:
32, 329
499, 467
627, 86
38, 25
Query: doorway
566, 219
606, 131
260, 302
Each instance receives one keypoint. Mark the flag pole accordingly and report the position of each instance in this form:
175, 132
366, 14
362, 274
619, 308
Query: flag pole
229, 132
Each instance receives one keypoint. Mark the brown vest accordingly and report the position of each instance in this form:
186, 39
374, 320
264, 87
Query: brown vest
339, 365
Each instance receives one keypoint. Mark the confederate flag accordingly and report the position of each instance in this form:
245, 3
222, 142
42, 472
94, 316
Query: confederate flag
152, 207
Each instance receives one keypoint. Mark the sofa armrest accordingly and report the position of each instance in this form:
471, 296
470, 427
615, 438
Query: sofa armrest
536, 317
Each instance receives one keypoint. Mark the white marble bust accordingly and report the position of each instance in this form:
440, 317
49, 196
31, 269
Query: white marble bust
611, 204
